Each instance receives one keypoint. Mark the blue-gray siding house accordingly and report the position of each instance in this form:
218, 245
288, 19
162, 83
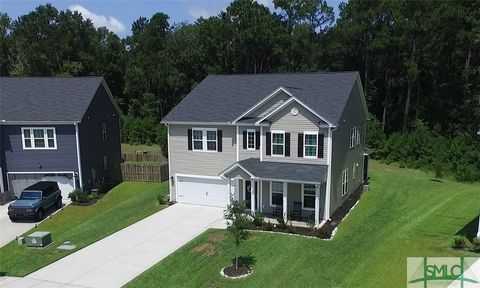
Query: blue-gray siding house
58, 128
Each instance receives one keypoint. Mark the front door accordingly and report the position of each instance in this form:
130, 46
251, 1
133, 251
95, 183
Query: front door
248, 194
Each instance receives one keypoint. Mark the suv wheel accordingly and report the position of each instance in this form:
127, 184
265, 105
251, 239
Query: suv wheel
39, 214
59, 203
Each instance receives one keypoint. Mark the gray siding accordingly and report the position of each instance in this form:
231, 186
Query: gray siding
343, 156
269, 105
92, 145
304, 121
64, 158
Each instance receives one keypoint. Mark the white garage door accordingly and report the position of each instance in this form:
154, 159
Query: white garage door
64, 183
203, 191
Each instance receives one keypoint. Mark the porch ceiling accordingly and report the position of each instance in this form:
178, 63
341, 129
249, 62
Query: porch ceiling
278, 171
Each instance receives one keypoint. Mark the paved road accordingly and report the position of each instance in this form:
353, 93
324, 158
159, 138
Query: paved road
120, 257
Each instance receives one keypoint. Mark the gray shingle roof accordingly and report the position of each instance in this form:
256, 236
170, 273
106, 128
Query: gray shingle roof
222, 98
46, 98
285, 171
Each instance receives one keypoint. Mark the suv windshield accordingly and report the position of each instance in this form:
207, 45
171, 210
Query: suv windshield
31, 195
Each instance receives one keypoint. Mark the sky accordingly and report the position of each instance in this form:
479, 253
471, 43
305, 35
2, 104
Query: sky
118, 15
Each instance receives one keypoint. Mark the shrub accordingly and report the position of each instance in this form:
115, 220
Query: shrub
476, 245
281, 223
161, 199
311, 224
460, 242
258, 219
79, 196
268, 226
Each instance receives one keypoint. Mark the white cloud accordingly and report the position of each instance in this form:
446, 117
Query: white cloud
197, 12
266, 3
112, 23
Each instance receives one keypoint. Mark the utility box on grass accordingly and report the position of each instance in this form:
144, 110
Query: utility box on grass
39, 239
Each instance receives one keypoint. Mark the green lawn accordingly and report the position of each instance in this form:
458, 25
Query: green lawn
131, 149
404, 214
122, 206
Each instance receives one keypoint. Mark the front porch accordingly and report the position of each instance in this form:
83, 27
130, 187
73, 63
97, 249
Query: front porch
295, 192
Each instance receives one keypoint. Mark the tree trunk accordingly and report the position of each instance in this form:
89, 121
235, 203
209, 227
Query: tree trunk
236, 257
385, 103
407, 106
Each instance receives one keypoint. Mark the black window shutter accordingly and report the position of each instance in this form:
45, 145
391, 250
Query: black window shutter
257, 140
219, 140
300, 145
189, 139
320, 146
287, 144
245, 139
269, 143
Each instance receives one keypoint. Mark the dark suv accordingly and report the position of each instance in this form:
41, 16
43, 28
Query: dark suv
34, 200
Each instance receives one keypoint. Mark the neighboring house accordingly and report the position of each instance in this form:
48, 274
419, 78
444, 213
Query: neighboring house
271, 140
60, 129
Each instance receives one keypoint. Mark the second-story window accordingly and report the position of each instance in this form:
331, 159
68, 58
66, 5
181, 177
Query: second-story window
39, 138
204, 139
310, 144
197, 139
278, 143
359, 129
250, 139
353, 136
104, 131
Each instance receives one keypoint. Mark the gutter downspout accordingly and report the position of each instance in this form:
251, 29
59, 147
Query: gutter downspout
328, 188
77, 141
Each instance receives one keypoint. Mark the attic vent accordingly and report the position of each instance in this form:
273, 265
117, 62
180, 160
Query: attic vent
294, 111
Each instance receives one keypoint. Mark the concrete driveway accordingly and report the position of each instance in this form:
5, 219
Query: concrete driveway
120, 257
10, 230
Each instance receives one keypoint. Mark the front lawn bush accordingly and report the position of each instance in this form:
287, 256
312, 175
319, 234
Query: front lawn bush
460, 242
476, 245
258, 219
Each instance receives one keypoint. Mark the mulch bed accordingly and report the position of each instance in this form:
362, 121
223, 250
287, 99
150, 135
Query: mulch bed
230, 271
326, 231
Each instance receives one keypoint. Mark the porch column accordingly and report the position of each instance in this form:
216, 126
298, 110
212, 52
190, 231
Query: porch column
285, 197
317, 204
252, 195
230, 194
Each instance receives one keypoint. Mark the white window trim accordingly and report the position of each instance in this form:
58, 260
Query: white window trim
353, 137
104, 131
254, 139
344, 182
304, 144
303, 197
204, 140
271, 143
45, 138
358, 134
271, 192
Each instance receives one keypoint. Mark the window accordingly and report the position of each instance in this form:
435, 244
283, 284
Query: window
204, 139
276, 193
358, 134
105, 163
250, 139
310, 144
39, 138
353, 135
353, 170
278, 143
308, 196
104, 131
344, 182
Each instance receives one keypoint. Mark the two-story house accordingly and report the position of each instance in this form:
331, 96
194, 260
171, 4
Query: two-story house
271, 140
63, 129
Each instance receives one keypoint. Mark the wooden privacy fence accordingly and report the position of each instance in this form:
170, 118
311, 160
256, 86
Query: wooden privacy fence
143, 157
144, 172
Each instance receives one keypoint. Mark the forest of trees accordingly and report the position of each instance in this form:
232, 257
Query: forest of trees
419, 61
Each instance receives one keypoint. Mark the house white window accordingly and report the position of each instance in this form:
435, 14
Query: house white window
353, 136
104, 131
344, 182
105, 163
278, 143
204, 139
359, 129
39, 138
251, 139
308, 196
310, 143
276, 193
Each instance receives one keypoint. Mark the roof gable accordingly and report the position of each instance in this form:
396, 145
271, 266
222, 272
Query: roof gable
47, 99
233, 95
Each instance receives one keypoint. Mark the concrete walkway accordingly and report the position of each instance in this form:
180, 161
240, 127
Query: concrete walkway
120, 257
